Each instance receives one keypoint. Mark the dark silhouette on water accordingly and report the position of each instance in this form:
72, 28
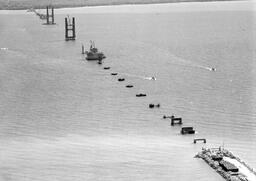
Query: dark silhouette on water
154, 105
141, 95
93, 53
70, 27
121, 79
129, 86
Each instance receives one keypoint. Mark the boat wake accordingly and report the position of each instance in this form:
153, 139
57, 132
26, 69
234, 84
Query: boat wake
183, 62
3, 49
212, 69
150, 78
174, 59
140, 76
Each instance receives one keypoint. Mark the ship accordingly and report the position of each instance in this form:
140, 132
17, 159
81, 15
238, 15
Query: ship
94, 54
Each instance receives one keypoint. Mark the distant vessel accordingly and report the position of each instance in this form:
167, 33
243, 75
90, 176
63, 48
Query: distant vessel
213, 69
93, 54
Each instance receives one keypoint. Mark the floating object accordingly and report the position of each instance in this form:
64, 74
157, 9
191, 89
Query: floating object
113, 73
154, 105
100, 62
106, 68
121, 79
129, 86
141, 95
176, 121
200, 139
70, 27
93, 54
187, 130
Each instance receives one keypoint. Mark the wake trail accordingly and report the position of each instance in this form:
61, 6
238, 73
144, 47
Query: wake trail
139, 76
31, 54
175, 59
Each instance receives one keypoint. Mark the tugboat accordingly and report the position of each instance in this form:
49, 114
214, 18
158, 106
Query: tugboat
93, 54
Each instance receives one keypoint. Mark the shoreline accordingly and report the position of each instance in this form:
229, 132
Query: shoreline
17, 5
206, 6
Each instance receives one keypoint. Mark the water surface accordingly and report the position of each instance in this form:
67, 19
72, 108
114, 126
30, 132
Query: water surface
63, 118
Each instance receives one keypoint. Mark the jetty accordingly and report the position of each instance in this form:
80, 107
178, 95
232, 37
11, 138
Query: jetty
229, 166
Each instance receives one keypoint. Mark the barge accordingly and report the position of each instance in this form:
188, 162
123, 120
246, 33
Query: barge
230, 167
187, 130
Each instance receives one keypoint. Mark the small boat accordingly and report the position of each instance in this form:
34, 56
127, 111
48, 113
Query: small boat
106, 68
113, 73
129, 86
93, 54
121, 79
141, 95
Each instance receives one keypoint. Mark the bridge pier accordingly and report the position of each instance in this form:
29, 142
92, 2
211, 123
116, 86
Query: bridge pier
50, 15
70, 31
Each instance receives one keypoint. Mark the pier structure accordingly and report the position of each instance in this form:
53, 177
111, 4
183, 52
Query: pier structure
50, 15
70, 31
199, 139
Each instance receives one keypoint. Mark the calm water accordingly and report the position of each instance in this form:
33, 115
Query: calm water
63, 118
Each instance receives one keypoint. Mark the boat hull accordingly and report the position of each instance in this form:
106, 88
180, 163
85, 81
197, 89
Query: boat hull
95, 57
